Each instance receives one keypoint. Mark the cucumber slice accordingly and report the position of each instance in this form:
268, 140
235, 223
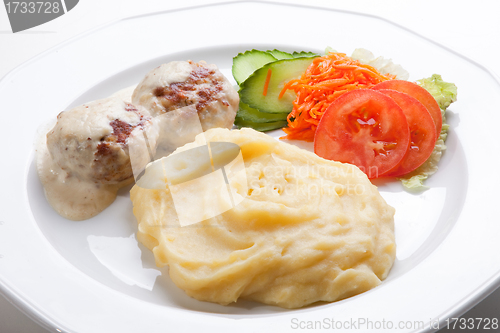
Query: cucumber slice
246, 63
280, 54
261, 127
282, 71
249, 114
304, 54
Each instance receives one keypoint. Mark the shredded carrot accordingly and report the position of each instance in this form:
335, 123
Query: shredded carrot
325, 80
266, 84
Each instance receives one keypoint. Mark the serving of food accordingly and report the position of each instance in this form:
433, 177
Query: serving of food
96, 148
296, 206
234, 213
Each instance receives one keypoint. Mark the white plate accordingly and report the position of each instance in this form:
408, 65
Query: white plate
91, 276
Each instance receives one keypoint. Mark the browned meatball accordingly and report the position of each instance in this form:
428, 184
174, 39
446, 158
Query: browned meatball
182, 83
92, 141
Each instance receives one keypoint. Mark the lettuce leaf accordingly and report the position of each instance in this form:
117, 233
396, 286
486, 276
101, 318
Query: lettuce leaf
445, 93
383, 65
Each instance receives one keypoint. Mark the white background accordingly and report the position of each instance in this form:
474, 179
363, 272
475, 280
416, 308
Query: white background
471, 28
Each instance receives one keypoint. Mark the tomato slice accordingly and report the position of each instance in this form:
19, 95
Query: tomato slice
416, 91
422, 132
366, 128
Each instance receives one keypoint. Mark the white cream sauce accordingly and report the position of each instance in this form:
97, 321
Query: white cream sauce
125, 94
71, 197
161, 76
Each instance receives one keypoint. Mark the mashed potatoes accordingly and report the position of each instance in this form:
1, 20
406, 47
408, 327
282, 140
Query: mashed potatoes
305, 230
